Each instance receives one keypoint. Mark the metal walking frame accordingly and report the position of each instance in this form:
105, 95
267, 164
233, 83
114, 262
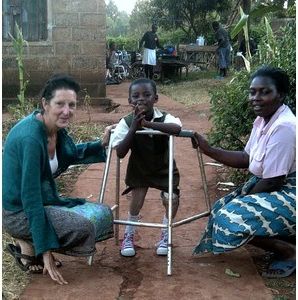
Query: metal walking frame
170, 225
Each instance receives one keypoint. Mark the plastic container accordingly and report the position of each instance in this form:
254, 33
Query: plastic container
200, 41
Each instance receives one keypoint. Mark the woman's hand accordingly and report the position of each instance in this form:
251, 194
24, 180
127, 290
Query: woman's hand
107, 134
199, 142
51, 268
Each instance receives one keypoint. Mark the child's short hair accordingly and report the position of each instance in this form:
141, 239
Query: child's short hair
141, 81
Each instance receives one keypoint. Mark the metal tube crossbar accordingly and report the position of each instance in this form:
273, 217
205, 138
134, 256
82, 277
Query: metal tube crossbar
170, 225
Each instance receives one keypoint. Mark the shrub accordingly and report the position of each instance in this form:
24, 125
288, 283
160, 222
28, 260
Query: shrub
283, 55
127, 43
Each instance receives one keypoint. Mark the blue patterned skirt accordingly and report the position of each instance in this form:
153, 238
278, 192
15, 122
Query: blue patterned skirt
236, 218
99, 215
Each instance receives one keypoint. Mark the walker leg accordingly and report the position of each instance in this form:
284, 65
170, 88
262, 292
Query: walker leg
117, 202
106, 172
170, 205
204, 180
90, 259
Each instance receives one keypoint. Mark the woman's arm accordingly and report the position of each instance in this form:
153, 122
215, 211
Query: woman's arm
268, 185
32, 160
235, 159
89, 153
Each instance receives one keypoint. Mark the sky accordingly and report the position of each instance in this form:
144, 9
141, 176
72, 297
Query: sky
126, 5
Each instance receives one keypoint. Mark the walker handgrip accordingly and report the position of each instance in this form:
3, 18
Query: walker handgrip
186, 133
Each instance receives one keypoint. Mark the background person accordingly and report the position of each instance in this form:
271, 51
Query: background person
223, 50
150, 41
111, 60
263, 210
148, 164
37, 149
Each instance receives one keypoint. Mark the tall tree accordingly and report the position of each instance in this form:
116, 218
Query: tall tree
141, 18
112, 10
189, 15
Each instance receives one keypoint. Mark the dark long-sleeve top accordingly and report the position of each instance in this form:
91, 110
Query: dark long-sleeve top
28, 183
151, 40
222, 38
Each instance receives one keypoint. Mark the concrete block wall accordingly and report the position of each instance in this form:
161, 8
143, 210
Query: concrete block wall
75, 45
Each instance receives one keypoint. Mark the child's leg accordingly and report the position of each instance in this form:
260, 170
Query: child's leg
137, 201
162, 245
175, 203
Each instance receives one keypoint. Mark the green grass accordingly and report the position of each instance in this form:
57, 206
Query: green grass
193, 91
14, 280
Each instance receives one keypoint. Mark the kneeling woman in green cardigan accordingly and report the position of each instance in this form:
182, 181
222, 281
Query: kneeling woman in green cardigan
37, 150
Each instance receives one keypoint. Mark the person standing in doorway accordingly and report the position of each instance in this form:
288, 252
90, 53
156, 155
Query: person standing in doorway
150, 41
224, 49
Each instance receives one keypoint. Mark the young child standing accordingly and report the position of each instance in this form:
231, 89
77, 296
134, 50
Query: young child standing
148, 164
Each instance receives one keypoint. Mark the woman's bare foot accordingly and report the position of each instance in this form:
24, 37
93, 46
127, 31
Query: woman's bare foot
27, 249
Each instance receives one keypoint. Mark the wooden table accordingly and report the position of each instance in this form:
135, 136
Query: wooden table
203, 55
175, 65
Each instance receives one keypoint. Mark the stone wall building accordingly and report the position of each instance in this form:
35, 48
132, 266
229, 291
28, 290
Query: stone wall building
63, 36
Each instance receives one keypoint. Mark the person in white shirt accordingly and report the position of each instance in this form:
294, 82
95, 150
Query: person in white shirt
148, 162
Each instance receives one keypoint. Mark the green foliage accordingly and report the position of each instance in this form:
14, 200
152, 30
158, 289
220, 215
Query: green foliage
141, 18
87, 103
18, 44
240, 25
231, 117
131, 43
118, 26
17, 112
127, 43
281, 52
190, 16
112, 10
173, 37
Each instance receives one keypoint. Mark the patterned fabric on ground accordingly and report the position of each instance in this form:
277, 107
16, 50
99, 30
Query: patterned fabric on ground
236, 218
99, 215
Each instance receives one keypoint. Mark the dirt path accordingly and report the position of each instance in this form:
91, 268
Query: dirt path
144, 276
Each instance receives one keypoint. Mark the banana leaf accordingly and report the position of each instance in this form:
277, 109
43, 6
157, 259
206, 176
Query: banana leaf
263, 9
246, 62
239, 26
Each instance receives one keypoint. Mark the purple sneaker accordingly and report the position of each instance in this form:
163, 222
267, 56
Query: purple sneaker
127, 246
162, 245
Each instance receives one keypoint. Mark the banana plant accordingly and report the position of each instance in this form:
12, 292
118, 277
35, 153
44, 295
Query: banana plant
257, 12
18, 43
242, 25
268, 47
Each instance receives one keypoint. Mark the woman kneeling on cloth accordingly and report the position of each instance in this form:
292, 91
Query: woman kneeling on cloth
263, 210
38, 149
